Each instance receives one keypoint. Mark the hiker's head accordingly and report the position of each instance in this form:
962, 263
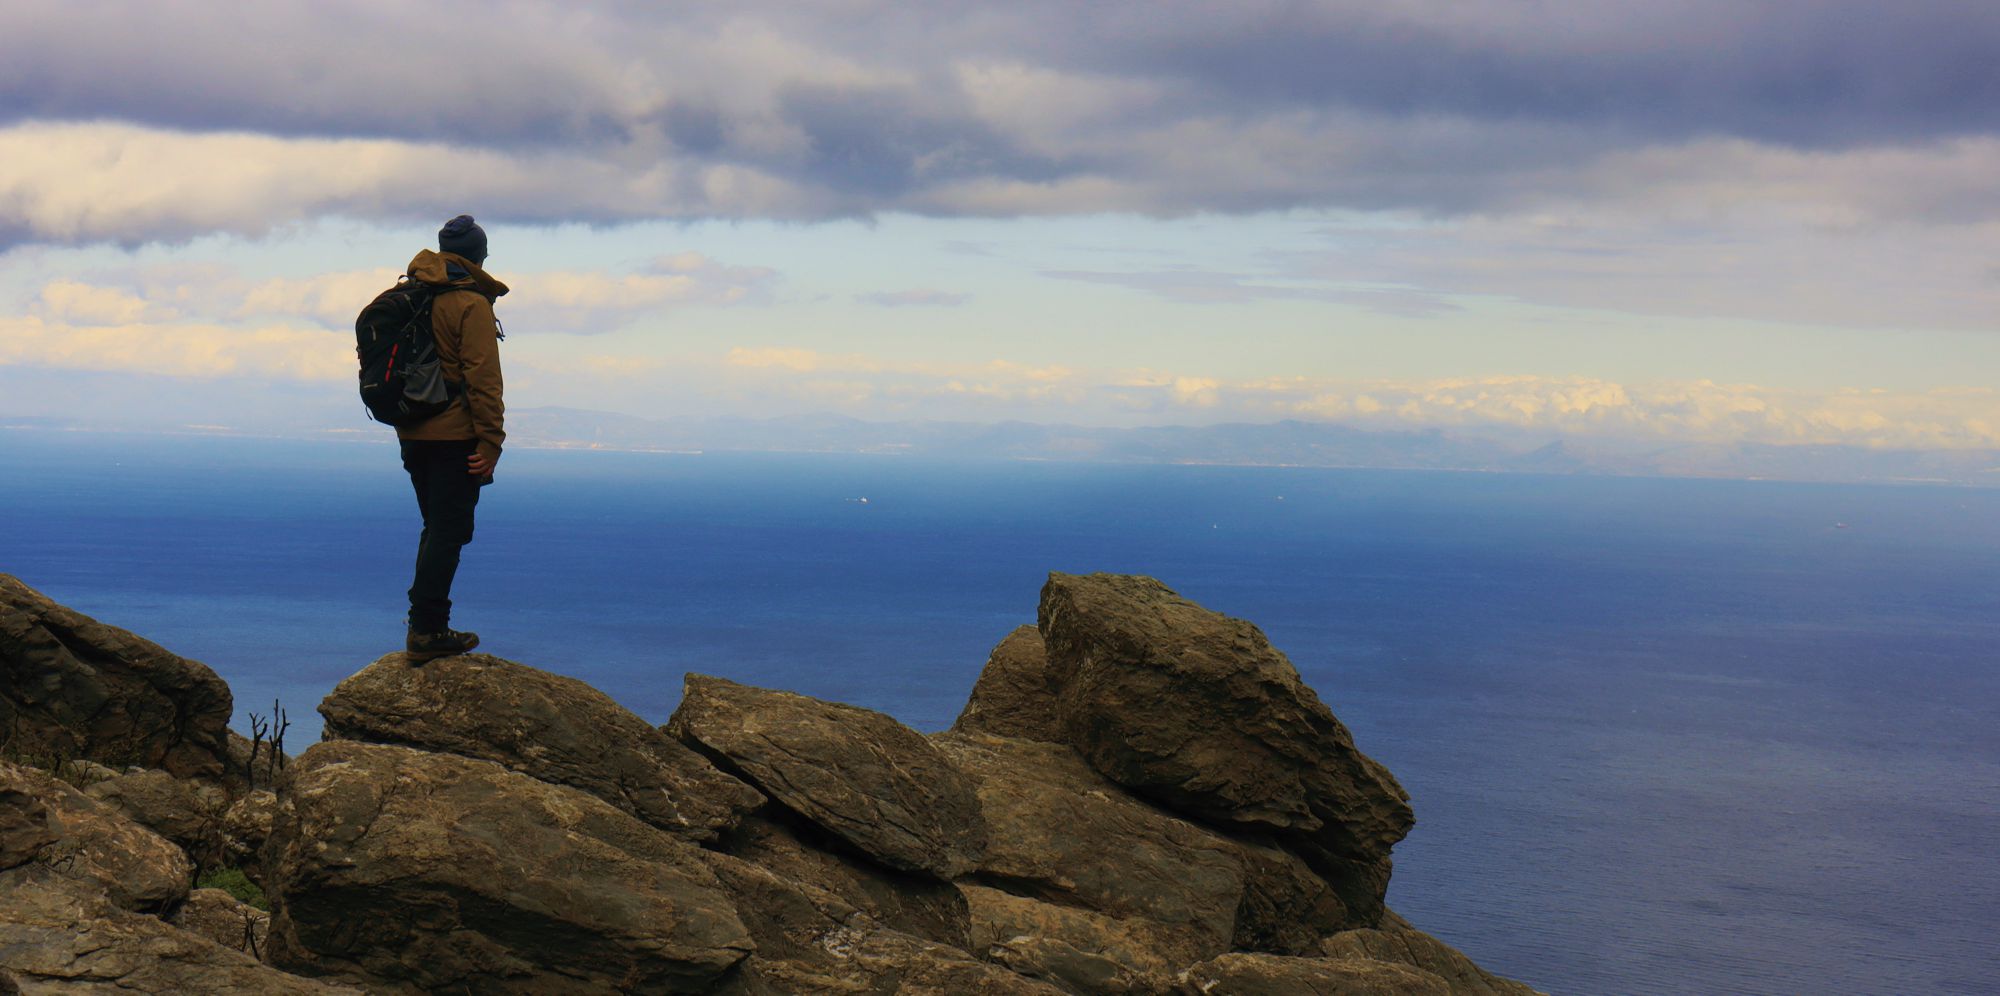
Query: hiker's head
463, 236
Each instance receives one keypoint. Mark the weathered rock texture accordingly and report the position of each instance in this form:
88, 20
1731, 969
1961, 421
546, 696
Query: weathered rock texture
1015, 695
189, 813
51, 834
56, 941
911, 903
411, 871
72, 686
1268, 975
545, 725
1397, 941
811, 941
1058, 831
871, 781
226, 920
1197, 711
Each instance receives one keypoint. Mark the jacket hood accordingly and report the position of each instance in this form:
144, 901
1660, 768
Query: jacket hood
433, 267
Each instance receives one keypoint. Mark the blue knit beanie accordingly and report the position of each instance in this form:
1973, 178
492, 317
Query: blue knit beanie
463, 236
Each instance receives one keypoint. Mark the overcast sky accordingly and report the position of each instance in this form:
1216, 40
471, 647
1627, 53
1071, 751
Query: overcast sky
1751, 219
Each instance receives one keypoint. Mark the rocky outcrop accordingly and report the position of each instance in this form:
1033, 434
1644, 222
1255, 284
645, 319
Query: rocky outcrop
544, 725
1268, 975
872, 782
1397, 941
71, 686
1141, 798
410, 871
1015, 695
51, 834
1197, 711
55, 939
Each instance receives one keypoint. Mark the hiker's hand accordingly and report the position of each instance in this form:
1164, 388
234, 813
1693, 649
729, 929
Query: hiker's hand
481, 465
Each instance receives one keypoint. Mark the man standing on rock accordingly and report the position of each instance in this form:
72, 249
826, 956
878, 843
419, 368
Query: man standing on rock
452, 455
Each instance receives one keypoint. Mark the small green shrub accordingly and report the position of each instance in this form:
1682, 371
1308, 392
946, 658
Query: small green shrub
233, 881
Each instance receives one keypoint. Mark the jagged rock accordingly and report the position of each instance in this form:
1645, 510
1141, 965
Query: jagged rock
1059, 831
54, 939
914, 904
865, 778
551, 727
1198, 711
1398, 941
83, 841
408, 871
72, 686
1014, 696
188, 813
226, 920
1076, 949
811, 941
1273, 975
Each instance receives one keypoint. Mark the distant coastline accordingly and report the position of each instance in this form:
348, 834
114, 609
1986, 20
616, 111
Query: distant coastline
1324, 445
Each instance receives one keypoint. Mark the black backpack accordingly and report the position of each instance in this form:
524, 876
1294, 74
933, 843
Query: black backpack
402, 381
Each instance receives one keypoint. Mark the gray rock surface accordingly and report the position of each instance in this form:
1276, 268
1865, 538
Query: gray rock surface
1398, 941
55, 941
1273, 975
50, 833
72, 686
863, 777
545, 725
1197, 711
1015, 695
408, 871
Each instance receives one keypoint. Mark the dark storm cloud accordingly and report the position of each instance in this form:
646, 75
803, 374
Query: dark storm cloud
613, 112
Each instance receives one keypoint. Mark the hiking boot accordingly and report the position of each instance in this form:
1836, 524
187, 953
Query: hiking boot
444, 643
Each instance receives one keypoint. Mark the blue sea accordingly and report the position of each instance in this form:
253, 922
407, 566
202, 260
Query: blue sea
1662, 736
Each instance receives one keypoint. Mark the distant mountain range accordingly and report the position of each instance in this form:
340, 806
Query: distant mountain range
1287, 443
1281, 444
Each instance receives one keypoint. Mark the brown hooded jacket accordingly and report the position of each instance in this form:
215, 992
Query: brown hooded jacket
468, 344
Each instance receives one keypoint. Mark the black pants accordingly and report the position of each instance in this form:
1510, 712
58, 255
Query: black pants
446, 495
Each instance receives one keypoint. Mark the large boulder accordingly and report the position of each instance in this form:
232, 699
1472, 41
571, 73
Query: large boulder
1240, 974
1059, 831
1014, 696
50, 834
407, 871
1197, 711
189, 813
56, 939
811, 941
870, 781
74, 687
1397, 941
551, 727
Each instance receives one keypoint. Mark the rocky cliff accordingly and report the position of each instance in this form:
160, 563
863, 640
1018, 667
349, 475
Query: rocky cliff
1141, 796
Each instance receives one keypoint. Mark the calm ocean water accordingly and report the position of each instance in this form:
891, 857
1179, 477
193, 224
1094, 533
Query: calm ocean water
1661, 736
